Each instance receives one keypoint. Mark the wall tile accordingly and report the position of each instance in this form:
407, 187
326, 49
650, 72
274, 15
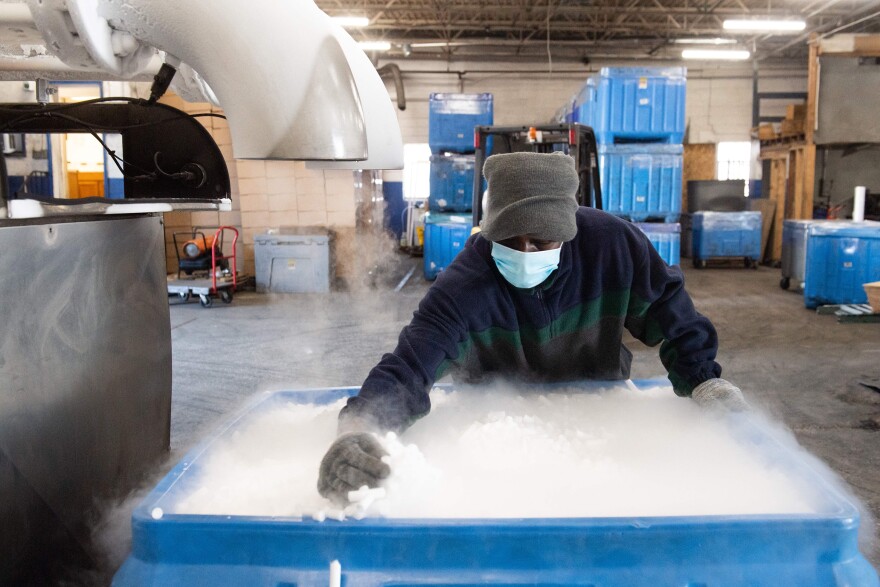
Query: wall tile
280, 185
208, 219
254, 219
313, 218
250, 168
254, 202
283, 218
310, 203
341, 218
252, 185
280, 202
280, 169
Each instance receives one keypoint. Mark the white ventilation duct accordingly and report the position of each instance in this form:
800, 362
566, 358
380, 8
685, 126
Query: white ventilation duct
190, 86
383, 130
275, 66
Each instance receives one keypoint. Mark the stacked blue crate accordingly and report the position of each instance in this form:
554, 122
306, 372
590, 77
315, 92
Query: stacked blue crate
452, 118
666, 239
637, 114
640, 181
451, 122
452, 183
445, 235
581, 106
638, 104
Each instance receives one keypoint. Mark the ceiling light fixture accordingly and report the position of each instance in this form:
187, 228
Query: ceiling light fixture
704, 41
776, 26
374, 45
716, 54
351, 21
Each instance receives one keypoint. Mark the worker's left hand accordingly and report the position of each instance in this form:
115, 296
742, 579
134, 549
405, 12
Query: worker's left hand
719, 393
354, 460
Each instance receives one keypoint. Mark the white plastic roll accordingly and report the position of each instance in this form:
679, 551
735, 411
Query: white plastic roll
858, 214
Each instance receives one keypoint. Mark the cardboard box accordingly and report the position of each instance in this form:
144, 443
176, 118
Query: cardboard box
796, 111
791, 127
766, 132
873, 291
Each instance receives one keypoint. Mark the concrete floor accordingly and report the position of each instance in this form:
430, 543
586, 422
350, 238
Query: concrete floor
802, 368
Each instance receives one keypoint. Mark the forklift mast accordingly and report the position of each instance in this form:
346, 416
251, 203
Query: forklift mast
574, 139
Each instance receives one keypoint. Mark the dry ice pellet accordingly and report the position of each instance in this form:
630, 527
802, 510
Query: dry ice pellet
497, 453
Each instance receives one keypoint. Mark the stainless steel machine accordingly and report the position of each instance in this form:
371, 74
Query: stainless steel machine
85, 352
85, 380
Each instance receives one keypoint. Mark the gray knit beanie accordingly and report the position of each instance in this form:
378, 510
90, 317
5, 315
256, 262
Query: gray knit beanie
531, 193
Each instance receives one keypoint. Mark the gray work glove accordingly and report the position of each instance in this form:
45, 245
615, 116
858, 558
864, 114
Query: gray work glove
718, 393
353, 460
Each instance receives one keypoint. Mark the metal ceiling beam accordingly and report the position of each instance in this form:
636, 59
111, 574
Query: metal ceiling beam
525, 22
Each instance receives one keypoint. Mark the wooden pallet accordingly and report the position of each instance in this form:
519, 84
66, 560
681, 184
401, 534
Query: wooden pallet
850, 313
784, 140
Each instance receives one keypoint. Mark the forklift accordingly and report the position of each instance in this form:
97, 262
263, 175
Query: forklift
573, 139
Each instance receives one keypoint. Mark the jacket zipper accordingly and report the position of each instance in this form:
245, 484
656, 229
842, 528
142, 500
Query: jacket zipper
546, 310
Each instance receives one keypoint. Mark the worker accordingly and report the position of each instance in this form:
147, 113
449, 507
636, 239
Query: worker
541, 294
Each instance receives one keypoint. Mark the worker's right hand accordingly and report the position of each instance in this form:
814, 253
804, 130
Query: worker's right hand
719, 394
353, 460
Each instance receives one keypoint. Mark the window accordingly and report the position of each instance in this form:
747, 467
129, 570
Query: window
416, 171
733, 160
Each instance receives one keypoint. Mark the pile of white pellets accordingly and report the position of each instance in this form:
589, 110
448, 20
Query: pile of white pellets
502, 453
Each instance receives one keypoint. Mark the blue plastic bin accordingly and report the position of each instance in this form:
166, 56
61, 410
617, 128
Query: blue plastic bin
452, 183
564, 114
666, 239
794, 253
641, 181
395, 207
445, 235
726, 234
637, 104
581, 109
716, 551
452, 118
841, 257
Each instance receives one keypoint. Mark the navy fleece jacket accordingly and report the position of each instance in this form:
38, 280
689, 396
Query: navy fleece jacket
474, 323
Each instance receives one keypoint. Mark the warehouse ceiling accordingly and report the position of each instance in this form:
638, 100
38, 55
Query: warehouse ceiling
579, 31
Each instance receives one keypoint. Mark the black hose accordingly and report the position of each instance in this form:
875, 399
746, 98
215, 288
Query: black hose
391, 70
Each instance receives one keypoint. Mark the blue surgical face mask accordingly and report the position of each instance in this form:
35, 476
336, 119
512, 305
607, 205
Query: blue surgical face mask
525, 270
